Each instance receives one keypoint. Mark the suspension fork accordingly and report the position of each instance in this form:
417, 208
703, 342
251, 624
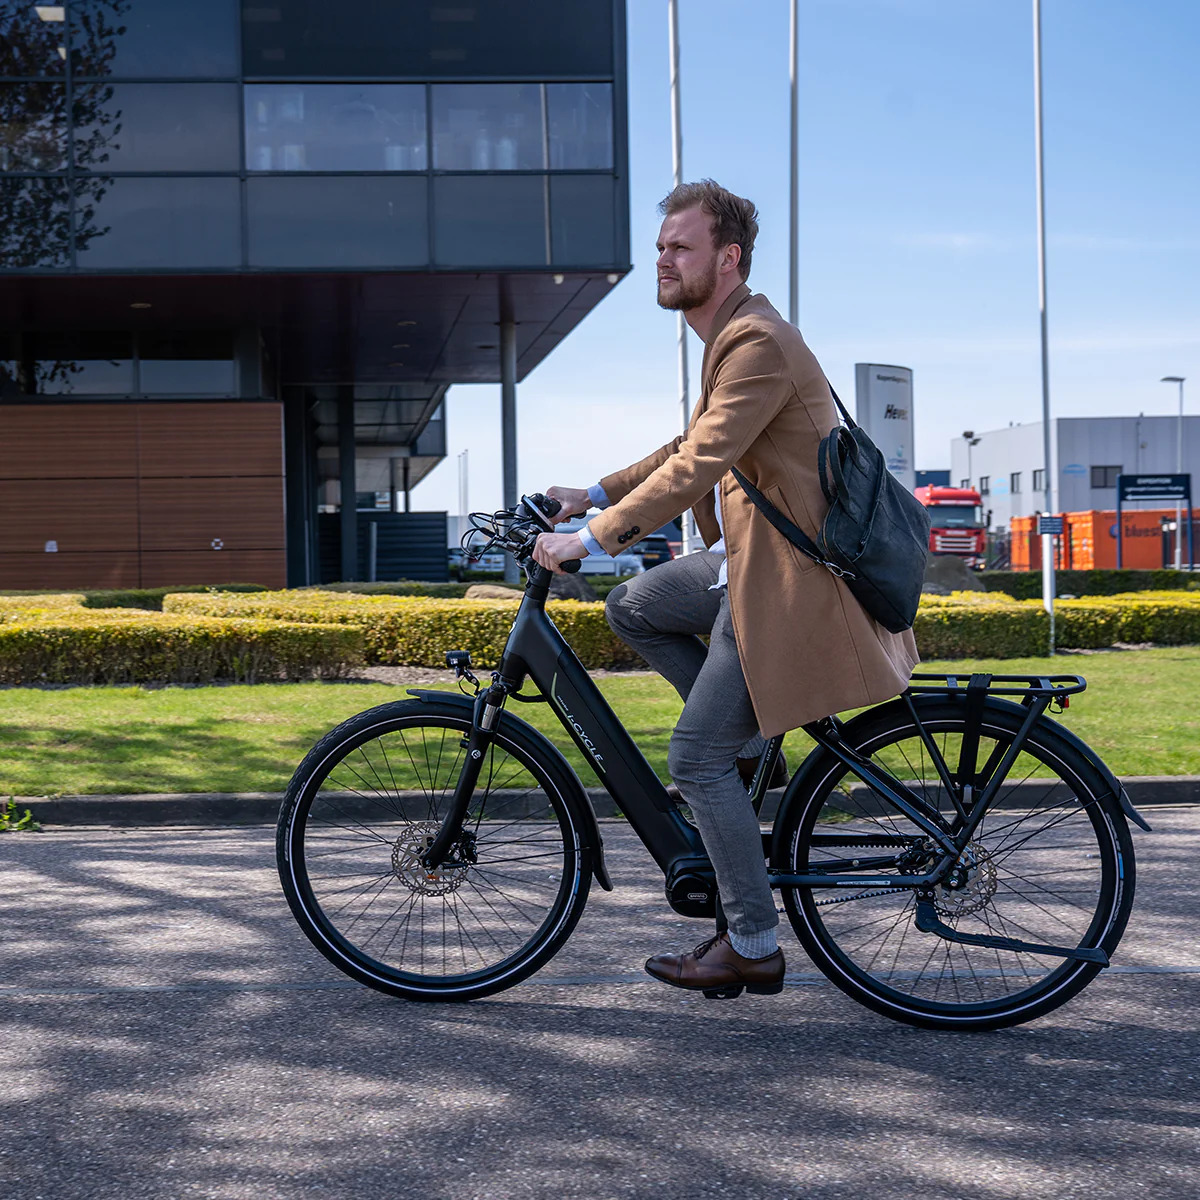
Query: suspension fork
488, 706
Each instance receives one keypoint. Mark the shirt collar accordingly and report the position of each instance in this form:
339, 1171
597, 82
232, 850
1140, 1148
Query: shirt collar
732, 302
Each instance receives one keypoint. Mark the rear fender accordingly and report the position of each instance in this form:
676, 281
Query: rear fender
820, 760
592, 840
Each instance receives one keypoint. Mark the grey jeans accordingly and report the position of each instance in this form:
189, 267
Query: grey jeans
660, 614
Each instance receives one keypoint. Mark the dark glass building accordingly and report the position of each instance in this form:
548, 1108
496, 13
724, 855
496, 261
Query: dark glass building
246, 249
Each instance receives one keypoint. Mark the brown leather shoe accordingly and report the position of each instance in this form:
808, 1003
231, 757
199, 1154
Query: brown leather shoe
746, 768
719, 971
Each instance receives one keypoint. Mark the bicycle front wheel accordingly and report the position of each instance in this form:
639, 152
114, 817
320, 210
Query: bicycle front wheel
366, 802
1052, 865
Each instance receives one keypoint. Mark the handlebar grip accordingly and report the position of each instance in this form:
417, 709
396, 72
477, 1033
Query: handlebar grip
571, 565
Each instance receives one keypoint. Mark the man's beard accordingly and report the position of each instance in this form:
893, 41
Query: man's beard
691, 294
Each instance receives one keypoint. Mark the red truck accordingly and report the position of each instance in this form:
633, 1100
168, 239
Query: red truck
956, 524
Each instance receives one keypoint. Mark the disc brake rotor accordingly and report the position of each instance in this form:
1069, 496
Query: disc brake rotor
977, 888
408, 868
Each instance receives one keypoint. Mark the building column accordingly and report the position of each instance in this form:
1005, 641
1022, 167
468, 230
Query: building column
298, 505
508, 427
347, 484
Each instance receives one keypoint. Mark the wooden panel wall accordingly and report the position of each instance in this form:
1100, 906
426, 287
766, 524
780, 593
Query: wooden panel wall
146, 495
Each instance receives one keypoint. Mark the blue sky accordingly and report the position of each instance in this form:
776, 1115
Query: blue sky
917, 220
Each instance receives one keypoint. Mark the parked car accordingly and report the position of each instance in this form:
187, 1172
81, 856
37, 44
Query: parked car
654, 550
488, 564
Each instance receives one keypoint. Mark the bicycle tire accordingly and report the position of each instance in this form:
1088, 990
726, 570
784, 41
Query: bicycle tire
355, 817
1056, 867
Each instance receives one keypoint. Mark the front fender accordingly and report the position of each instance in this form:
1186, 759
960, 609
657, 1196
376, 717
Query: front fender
587, 814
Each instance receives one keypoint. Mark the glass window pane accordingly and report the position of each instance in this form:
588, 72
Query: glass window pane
91, 364
35, 223
156, 127
580, 116
582, 209
10, 366
161, 223
154, 37
335, 127
32, 38
489, 221
326, 221
33, 127
488, 127
187, 364
428, 39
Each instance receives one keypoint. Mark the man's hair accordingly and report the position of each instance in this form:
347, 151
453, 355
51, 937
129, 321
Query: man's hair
734, 220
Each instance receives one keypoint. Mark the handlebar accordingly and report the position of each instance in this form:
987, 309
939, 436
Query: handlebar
516, 531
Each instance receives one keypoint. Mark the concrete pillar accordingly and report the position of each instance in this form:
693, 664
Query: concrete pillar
348, 484
508, 427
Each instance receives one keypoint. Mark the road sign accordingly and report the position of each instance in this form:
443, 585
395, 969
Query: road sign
1051, 525
1153, 487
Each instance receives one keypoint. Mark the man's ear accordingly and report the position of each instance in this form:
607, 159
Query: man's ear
731, 257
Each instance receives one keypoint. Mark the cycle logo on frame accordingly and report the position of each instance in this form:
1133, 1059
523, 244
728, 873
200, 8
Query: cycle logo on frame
575, 725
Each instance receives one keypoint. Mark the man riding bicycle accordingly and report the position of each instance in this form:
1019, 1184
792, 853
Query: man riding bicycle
788, 642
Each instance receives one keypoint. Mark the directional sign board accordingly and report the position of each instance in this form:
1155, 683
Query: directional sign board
1052, 525
1153, 487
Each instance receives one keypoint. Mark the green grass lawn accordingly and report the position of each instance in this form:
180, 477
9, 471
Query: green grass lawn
1140, 712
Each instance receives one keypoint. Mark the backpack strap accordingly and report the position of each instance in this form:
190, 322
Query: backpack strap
850, 421
789, 529
828, 483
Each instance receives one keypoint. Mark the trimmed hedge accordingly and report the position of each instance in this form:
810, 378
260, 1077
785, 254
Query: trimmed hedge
150, 599
400, 587
12, 606
1027, 585
418, 631
138, 647
600, 584
976, 625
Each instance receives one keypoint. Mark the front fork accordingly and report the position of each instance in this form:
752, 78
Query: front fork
488, 705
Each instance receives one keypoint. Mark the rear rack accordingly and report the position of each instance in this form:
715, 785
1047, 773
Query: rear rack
1029, 686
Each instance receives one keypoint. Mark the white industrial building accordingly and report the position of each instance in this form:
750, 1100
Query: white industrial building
1086, 454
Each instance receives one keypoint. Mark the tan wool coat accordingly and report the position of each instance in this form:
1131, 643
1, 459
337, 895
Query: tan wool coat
808, 648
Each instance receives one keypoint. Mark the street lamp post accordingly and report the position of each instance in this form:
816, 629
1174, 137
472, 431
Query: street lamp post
1179, 379
1048, 583
971, 440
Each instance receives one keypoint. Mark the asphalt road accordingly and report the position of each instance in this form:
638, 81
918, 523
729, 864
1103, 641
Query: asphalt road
168, 1032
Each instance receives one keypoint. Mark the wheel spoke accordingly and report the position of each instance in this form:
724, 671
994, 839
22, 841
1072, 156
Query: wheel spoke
505, 889
1025, 879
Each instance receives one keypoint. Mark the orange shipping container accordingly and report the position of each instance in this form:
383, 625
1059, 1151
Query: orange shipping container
1089, 540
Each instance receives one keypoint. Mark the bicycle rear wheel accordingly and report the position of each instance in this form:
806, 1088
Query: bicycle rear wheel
365, 803
1054, 865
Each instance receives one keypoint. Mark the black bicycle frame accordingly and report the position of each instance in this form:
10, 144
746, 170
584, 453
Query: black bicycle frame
535, 649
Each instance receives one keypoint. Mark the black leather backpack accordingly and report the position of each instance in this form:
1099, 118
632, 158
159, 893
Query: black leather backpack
876, 533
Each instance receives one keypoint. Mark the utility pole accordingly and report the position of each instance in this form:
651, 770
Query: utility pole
1048, 585
794, 221
685, 407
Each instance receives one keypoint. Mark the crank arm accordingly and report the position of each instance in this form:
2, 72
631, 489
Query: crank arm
929, 922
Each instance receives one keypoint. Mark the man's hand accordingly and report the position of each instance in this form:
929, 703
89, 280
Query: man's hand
555, 548
573, 501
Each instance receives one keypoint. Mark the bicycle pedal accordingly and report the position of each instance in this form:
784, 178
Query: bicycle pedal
730, 992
